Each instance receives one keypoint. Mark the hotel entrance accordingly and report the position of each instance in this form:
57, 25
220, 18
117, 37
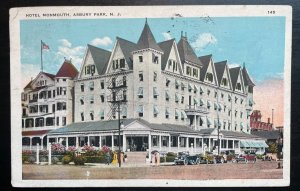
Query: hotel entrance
136, 143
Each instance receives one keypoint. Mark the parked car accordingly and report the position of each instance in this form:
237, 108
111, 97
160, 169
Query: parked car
214, 159
245, 158
182, 158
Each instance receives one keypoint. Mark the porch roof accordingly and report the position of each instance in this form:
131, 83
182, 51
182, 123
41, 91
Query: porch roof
239, 135
34, 133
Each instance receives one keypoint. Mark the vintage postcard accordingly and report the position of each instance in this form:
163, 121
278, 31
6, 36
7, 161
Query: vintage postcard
150, 96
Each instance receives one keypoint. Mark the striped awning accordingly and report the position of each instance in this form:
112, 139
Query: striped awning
176, 112
167, 95
196, 101
177, 97
183, 114
209, 121
201, 90
140, 91
201, 101
196, 88
155, 91
168, 111
155, 109
101, 113
140, 109
190, 86
177, 83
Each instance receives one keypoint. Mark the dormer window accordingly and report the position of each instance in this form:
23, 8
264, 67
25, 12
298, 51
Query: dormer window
238, 86
155, 59
195, 72
170, 64
88, 70
141, 58
188, 70
92, 69
224, 82
209, 77
141, 77
122, 63
154, 76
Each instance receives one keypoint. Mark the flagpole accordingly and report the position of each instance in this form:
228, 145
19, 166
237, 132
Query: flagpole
41, 55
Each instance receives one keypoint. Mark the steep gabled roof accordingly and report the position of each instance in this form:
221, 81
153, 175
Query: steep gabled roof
275, 134
28, 85
220, 68
100, 57
166, 46
205, 63
186, 52
247, 79
67, 70
234, 74
127, 48
147, 39
52, 76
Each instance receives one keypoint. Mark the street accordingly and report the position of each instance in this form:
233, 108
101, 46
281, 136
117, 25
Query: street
258, 170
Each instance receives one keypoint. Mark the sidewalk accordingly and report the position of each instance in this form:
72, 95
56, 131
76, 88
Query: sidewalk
125, 165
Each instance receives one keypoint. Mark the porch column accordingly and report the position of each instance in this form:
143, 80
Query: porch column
100, 142
67, 142
209, 144
226, 143
195, 144
30, 143
187, 143
112, 142
56, 139
159, 142
41, 142
195, 121
88, 142
124, 142
77, 142
149, 145
178, 143
169, 143
47, 144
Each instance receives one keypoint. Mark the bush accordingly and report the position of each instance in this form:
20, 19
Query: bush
54, 160
171, 154
66, 159
259, 156
43, 159
79, 160
31, 159
25, 158
57, 148
170, 158
95, 159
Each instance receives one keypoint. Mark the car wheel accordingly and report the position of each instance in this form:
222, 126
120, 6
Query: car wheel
185, 162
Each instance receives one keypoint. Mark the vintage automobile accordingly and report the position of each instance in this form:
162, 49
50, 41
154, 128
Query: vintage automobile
245, 158
214, 159
182, 158
185, 159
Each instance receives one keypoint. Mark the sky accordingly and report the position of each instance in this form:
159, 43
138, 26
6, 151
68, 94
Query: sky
257, 42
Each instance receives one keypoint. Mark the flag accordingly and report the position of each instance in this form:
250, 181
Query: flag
45, 46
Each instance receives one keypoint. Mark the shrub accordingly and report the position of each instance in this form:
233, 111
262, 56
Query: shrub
43, 152
71, 149
170, 158
54, 160
91, 153
259, 156
25, 158
105, 149
171, 154
43, 159
79, 160
57, 148
66, 159
95, 159
31, 159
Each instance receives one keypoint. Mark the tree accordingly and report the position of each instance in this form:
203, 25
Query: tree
273, 148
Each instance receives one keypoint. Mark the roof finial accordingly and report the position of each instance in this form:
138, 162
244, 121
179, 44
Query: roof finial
146, 21
244, 65
186, 35
181, 34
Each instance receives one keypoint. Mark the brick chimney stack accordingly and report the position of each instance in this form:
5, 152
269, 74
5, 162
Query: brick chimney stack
269, 120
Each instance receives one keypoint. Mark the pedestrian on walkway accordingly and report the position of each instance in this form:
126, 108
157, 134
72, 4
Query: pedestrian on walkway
108, 158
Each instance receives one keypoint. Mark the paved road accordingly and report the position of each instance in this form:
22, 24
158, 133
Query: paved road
259, 170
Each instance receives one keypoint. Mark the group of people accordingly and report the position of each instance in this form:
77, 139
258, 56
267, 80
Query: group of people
115, 155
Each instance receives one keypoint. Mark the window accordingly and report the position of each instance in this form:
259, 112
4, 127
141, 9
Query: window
101, 114
140, 92
176, 84
82, 100
141, 110
209, 77
87, 70
176, 98
141, 58
182, 86
216, 94
241, 115
82, 116
92, 69
91, 99
229, 112
167, 82
250, 89
113, 81
182, 99
57, 80
114, 65
155, 92
64, 120
224, 125
195, 72
224, 82
167, 96
64, 105
141, 77
235, 113
235, 99
176, 114
53, 93
49, 94
154, 76
229, 98
235, 127
208, 92
238, 86
208, 104
242, 101
122, 63
155, 60
91, 86
82, 87
92, 115
124, 81
102, 98
102, 84
190, 88
167, 113
57, 121
155, 111
188, 70
229, 126
64, 80
169, 64
222, 95
124, 95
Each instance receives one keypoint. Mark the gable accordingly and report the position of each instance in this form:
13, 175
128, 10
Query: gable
116, 59
239, 86
42, 80
88, 61
210, 74
136, 126
173, 56
225, 80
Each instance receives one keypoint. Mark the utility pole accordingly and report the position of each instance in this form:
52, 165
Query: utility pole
272, 118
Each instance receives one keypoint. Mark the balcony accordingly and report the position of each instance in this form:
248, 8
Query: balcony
195, 110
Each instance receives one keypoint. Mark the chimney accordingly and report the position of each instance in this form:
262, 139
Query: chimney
269, 120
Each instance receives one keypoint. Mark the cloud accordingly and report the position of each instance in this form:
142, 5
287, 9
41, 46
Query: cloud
65, 42
65, 50
105, 41
166, 35
233, 65
29, 71
203, 40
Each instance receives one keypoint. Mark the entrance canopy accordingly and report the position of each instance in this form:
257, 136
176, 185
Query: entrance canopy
253, 144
